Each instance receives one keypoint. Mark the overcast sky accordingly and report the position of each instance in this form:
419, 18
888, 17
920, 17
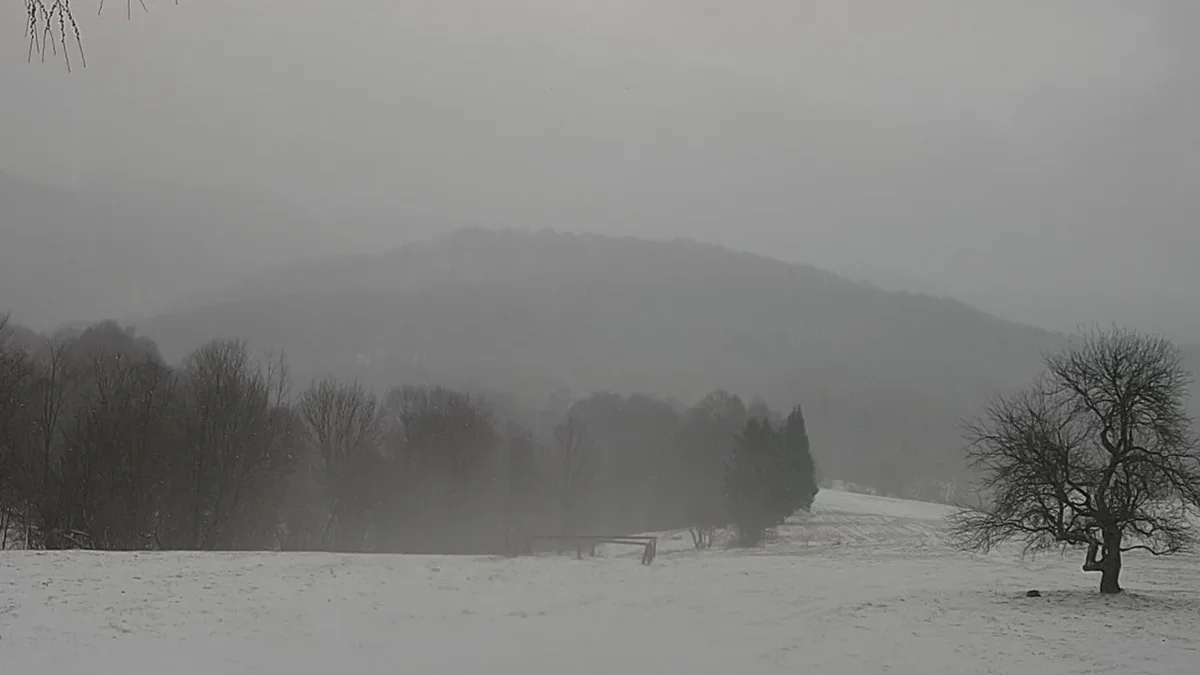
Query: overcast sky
1037, 157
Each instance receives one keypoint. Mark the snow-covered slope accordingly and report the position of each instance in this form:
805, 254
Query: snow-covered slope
861, 585
849, 519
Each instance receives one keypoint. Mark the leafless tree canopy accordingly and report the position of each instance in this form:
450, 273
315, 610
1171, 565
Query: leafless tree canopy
104, 445
240, 438
340, 419
16, 376
115, 452
341, 422
571, 458
441, 448
1099, 453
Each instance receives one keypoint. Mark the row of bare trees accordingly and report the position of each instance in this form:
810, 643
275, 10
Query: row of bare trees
104, 445
434, 470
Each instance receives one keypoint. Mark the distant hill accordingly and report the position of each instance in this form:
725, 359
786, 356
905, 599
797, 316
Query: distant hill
884, 376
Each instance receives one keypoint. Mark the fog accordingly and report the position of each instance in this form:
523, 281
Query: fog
844, 318
1035, 159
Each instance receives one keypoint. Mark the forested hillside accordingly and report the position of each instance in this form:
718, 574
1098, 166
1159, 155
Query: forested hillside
885, 377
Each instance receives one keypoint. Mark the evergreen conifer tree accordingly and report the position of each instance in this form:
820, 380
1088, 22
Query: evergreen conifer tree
795, 480
748, 482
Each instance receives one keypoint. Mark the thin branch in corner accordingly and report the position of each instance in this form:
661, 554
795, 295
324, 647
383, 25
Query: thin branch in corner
128, 8
50, 24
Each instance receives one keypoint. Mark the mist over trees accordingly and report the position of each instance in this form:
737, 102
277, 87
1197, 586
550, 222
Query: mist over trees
884, 377
104, 445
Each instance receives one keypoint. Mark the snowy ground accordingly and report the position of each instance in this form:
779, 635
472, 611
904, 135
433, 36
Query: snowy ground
863, 585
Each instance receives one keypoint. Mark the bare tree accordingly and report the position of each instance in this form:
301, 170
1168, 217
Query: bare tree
16, 375
55, 383
58, 378
89, 417
702, 536
341, 422
439, 430
278, 374
5, 317
238, 441
1098, 453
521, 481
573, 468
115, 469
442, 465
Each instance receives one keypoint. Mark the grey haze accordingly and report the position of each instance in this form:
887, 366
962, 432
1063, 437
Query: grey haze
1036, 159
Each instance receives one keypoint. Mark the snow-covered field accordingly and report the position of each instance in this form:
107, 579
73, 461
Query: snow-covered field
862, 585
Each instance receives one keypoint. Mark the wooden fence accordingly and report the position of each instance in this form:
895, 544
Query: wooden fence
581, 543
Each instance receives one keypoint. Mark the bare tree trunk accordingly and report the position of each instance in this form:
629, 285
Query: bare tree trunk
1110, 573
1107, 561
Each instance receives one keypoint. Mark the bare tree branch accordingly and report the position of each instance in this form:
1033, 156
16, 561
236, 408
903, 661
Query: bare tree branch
342, 422
573, 467
50, 27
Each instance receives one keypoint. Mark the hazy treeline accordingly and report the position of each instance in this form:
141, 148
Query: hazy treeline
104, 445
885, 378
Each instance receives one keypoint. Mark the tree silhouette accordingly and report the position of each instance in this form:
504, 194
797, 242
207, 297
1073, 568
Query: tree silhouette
1098, 453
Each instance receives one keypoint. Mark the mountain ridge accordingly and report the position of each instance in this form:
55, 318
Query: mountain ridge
884, 375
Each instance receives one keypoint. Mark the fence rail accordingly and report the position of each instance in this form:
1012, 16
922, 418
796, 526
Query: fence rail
589, 542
